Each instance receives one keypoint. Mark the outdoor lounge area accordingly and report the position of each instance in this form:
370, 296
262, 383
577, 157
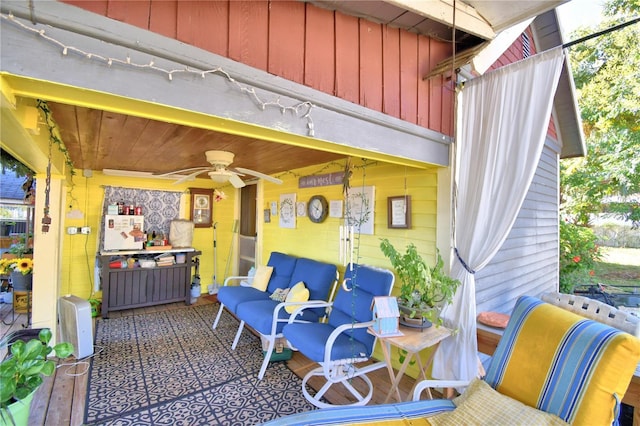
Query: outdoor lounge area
174, 147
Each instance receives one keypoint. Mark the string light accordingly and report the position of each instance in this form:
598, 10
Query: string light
300, 109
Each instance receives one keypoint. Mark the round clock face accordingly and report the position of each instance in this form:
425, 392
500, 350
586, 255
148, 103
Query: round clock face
318, 208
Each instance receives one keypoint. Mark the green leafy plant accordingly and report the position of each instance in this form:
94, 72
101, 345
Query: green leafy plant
422, 288
23, 371
578, 255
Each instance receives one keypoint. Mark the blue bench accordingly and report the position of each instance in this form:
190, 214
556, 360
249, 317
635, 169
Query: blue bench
267, 316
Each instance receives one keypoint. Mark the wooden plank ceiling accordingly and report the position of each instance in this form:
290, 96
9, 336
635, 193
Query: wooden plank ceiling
100, 140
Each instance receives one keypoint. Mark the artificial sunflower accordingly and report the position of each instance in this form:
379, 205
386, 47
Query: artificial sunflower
22, 265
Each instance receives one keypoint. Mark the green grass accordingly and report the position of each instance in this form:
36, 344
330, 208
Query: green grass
618, 267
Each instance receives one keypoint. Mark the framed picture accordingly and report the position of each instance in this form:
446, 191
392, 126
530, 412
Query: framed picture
267, 216
360, 209
201, 202
399, 212
335, 208
287, 218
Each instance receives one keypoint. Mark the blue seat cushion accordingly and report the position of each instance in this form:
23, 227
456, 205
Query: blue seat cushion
283, 265
310, 340
232, 296
259, 313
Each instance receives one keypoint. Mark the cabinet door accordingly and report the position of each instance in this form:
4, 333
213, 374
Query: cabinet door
130, 288
171, 283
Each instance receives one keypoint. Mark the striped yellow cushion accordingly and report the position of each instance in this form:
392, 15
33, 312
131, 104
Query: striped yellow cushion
564, 364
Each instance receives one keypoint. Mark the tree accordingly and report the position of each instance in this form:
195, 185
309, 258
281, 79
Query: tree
606, 70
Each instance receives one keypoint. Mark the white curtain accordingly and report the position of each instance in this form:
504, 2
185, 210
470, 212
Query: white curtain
502, 123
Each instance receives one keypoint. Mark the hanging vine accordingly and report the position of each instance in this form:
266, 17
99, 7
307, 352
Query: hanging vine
54, 140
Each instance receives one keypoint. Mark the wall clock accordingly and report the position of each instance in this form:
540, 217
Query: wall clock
318, 209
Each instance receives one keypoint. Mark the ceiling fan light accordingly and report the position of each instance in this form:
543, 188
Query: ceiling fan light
219, 176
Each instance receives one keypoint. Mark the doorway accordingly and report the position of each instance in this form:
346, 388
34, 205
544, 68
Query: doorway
247, 232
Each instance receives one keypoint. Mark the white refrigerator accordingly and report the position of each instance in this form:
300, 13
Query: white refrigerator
124, 232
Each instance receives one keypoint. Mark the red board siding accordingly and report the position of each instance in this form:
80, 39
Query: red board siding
371, 78
424, 95
248, 30
193, 16
363, 62
347, 58
319, 58
163, 18
131, 12
442, 91
391, 71
408, 76
286, 40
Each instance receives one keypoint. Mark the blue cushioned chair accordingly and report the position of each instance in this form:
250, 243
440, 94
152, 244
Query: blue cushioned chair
343, 341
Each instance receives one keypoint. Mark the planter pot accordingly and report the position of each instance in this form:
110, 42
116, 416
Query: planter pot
21, 282
17, 413
417, 321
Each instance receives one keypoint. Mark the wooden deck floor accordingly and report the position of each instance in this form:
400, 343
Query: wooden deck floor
61, 399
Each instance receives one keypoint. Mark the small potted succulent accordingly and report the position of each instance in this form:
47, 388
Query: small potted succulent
22, 372
423, 290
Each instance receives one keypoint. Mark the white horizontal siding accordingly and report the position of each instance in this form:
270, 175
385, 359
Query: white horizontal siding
527, 263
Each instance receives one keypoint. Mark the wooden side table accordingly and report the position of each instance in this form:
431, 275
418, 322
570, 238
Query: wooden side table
413, 341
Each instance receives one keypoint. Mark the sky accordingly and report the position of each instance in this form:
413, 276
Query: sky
578, 13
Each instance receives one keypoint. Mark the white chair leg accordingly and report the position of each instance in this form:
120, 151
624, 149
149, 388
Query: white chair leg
345, 381
215, 323
267, 357
237, 338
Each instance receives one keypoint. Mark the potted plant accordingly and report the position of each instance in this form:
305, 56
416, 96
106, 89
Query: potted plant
424, 290
22, 372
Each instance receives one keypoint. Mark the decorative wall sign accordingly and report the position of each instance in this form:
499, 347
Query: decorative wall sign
360, 208
288, 211
321, 180
399, 212
301, 208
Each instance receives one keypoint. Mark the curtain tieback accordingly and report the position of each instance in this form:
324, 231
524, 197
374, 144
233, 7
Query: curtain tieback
469, 270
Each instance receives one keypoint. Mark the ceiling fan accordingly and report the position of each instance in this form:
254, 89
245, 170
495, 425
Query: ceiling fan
219, 171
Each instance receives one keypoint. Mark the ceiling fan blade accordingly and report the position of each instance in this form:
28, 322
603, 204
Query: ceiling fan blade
191, 176
259, 175
236, 181
177, 172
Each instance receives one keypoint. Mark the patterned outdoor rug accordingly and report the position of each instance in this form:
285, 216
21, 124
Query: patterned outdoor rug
170, 368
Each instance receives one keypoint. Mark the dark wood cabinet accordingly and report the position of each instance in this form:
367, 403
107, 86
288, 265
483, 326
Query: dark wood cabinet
128, 288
